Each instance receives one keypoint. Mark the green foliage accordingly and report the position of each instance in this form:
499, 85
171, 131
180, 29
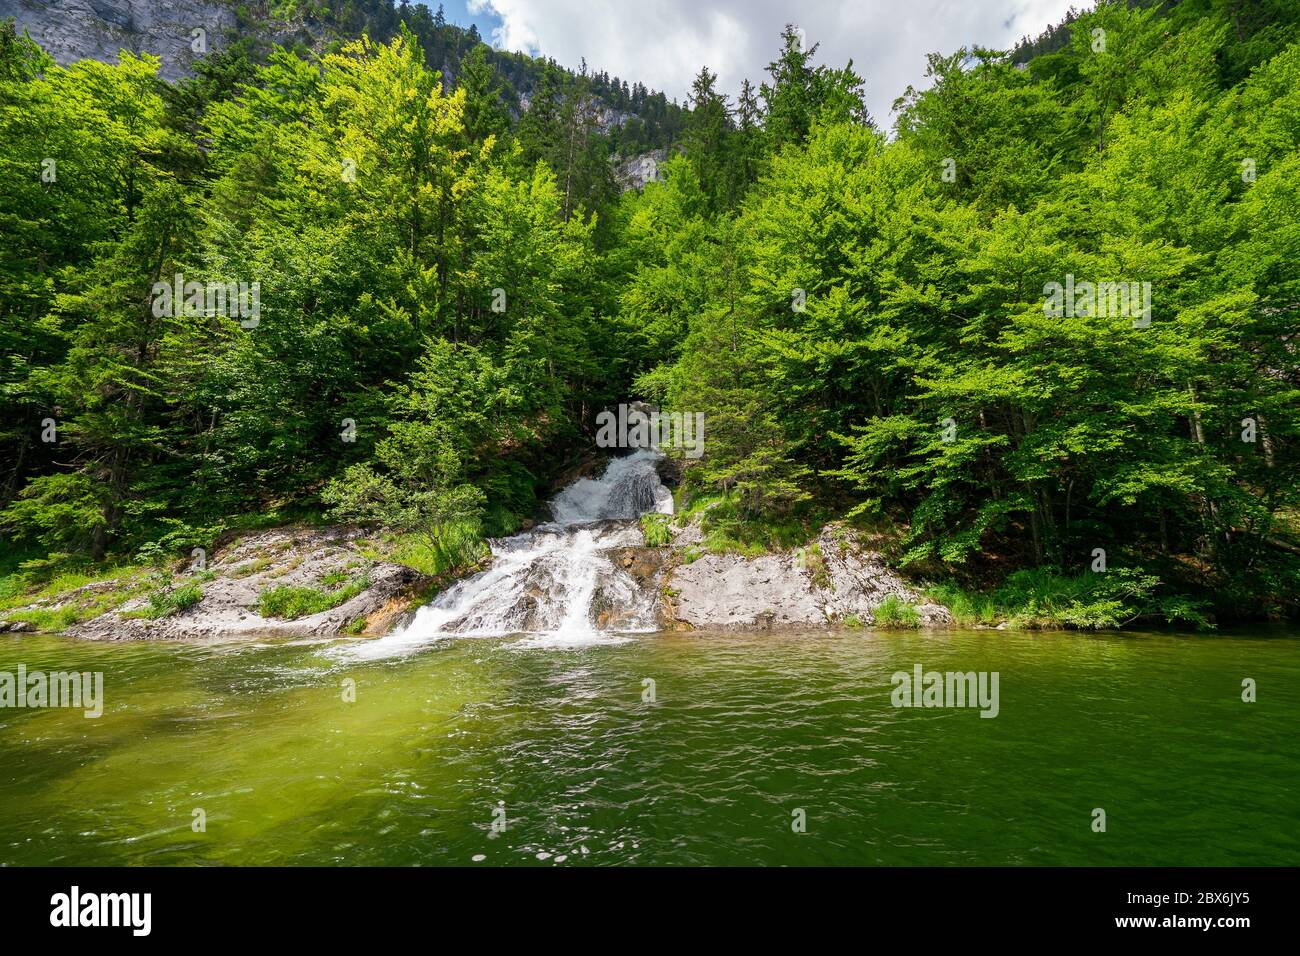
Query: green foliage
729, 528
376, 291
459, 547
447, 296
868, 326
290, 602
801, 95
893, 612
164, 603
1039, 597
655, 527
969, 608
179, 541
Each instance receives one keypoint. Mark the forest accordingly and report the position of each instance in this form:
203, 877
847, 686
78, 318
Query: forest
451, 288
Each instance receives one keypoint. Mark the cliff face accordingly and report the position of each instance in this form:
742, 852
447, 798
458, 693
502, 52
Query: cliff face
838, 580
636, 171
72, 30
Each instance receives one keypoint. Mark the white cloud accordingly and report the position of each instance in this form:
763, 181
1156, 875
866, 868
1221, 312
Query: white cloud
663, 43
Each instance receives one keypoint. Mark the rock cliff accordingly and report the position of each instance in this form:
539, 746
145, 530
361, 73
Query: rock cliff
177, 32
835, 580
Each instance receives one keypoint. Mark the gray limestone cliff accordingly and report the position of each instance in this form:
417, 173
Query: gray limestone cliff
71, 30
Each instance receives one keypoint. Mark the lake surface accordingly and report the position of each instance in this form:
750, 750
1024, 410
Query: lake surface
744, 732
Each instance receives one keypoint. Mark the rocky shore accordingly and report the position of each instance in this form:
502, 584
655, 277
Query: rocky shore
835, 581
321, 565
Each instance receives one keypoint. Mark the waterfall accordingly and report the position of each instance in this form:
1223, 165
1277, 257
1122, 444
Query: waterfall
556, 583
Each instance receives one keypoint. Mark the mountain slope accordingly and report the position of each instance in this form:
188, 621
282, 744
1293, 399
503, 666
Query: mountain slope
636, 118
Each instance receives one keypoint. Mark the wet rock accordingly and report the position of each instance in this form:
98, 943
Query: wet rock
643, 564
671, 471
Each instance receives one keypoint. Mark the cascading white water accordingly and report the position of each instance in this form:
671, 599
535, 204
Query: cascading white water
557, 582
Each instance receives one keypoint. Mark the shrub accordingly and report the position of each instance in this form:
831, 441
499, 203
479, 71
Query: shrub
172, 601
460, 546
894, 612
1042, 597
290, 602
656, 530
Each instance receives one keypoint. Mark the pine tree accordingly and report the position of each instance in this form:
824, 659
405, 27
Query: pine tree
707, 140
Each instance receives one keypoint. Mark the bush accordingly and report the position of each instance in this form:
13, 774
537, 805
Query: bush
1042, 597
730, 530
656, 530
460, 546
894, 612
289, 602
167, 602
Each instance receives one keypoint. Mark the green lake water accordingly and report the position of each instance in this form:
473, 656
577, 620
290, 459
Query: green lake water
744, 731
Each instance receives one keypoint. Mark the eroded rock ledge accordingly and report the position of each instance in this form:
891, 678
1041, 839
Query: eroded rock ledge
239, 573
834, 581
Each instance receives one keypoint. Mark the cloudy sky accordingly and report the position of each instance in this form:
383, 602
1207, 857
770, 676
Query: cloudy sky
663, 43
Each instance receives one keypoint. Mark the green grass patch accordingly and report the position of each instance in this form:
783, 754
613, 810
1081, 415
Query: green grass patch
814, 562
656, 529
74, 611
968, 608
26, 580
52, 577
727, 531
277, 516
459, 548
168, 601
50, 620
894, 612
290, 602
250, 567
